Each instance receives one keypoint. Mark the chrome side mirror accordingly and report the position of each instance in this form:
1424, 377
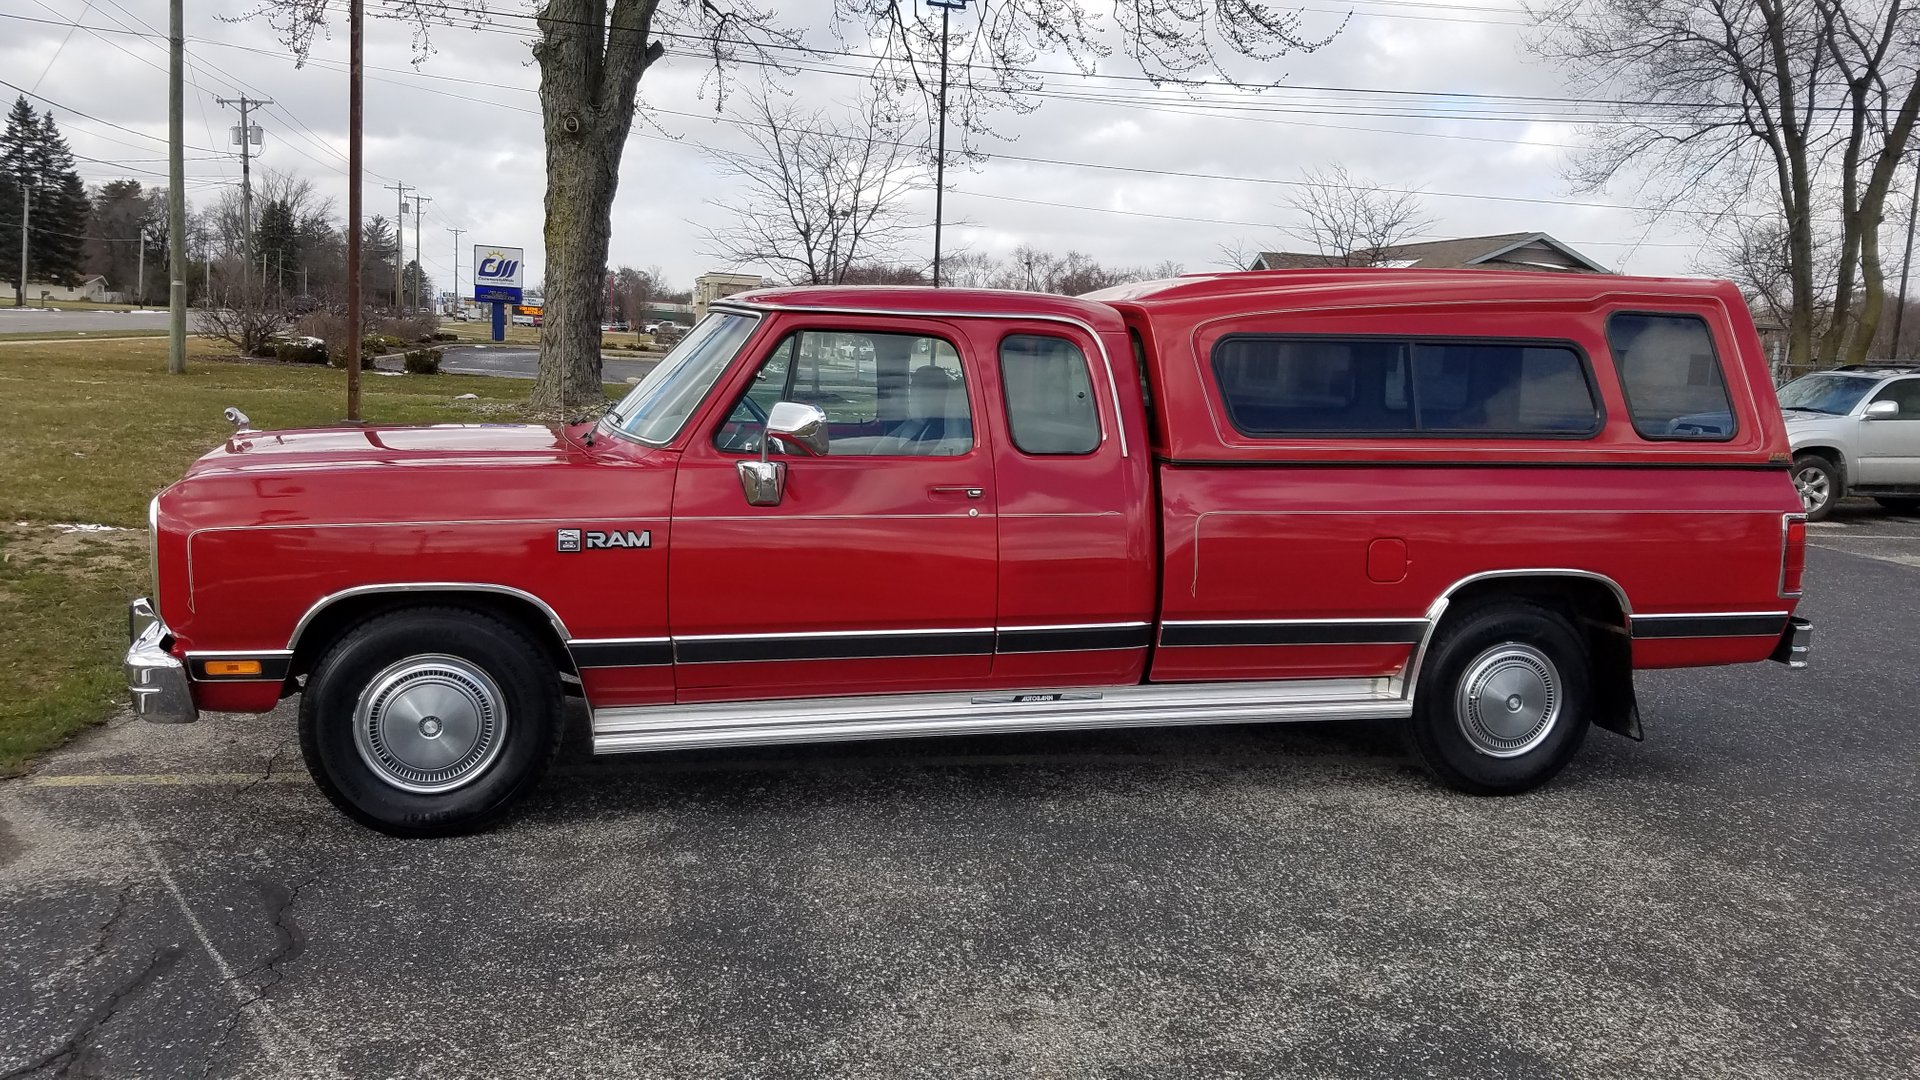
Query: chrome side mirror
764, 482
799, 425
1881, 410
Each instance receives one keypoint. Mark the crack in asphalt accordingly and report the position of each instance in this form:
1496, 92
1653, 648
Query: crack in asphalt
70, 1051
272, 759
290, 941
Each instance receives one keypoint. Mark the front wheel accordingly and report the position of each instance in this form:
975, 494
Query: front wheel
1818, 482
1502, 704
430, 721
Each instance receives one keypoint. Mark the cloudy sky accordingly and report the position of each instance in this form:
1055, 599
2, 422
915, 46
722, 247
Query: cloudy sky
1437, 97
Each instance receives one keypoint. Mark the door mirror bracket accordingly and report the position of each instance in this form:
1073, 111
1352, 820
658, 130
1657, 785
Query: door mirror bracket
764, 482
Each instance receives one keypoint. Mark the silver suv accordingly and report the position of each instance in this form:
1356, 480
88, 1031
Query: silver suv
1855, 431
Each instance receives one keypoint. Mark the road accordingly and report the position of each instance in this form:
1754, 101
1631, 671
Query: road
36, 320
519, 362
1738, 896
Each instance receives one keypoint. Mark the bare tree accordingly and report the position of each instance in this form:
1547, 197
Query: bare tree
1350, 221
823, 192
592, 54
244, 316
1799, 108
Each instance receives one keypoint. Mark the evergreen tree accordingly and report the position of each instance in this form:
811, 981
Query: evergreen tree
377, 240
277, 241
36, 163
60, 209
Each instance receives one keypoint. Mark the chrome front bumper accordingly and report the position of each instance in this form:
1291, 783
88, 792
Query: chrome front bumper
157, 681
1796, 644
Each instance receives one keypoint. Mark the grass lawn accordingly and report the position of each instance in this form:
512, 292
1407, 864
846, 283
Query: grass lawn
93, 430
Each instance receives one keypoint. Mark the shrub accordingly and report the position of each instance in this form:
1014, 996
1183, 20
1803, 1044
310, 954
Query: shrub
445, 335
422, 362
302, 350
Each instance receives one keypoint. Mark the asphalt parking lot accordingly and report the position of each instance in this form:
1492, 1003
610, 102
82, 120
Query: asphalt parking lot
1738, 896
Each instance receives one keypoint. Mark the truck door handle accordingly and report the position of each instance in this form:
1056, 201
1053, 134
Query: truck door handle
969, 492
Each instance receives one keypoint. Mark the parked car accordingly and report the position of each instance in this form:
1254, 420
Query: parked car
1855, 431
1395, 495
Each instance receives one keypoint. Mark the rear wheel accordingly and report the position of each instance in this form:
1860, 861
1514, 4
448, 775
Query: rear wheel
1901, 505
430, 721
1818, 482
1503, 700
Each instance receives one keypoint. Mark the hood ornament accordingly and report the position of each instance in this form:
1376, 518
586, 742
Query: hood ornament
239, 420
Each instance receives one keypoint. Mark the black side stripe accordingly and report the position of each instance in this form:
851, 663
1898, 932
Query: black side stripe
1680, 462
1294, 633
1074, 638
1709, 626
833, 647
595, 654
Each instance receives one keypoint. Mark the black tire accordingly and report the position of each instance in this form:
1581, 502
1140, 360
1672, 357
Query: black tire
402, 660
1813, 475
1499, 646
1900, 505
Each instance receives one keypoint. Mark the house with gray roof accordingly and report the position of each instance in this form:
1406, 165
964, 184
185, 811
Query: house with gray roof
1507, 251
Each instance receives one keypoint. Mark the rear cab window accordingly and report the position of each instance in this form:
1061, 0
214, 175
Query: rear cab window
1671, 376
1049, 395
1276, 385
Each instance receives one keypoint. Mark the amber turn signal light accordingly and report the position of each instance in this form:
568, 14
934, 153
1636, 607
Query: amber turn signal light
233, 667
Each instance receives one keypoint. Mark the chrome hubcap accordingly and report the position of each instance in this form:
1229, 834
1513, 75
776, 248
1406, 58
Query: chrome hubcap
1813, 486
1509, 700
429, 724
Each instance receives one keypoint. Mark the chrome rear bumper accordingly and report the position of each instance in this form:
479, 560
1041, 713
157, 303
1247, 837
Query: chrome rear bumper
155, 678
1796, 644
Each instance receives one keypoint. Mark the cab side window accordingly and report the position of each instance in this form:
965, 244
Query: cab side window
1049, 392
1671, 375
1904, 393
884, 395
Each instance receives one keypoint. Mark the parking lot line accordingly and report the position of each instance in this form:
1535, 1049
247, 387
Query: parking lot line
164, 779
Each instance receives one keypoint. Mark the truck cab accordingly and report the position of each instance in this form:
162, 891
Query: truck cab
1470, 502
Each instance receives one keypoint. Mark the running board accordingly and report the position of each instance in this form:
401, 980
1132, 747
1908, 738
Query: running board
762, 723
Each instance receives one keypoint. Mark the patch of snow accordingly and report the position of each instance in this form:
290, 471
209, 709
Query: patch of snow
467, 397
84, 528
394, 374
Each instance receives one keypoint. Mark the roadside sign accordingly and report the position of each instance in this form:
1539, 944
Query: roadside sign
497, 273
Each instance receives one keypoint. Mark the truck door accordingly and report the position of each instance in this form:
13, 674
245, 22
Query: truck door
1077, 570
876, 571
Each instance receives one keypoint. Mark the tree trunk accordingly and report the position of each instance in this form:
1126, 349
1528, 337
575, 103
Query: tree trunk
590, 67
580, 187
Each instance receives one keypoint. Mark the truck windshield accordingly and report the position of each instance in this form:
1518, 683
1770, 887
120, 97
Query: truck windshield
1833, 394
656, 410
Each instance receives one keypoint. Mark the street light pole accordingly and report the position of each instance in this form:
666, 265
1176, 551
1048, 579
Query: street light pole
940, 154
1906, 263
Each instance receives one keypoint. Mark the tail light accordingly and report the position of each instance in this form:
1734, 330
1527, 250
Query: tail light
1793, 554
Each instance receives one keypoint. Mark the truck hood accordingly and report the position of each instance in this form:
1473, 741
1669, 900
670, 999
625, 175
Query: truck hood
1802, 425
442, 444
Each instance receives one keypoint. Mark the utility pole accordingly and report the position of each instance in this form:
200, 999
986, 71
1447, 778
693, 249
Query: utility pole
177, 198
140, 275
26, 211
1906, 263
456, 263
940, 155
399, 249
418, 286
355, 16
248, 136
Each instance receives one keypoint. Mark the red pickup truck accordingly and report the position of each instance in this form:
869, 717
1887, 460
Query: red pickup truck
1473, 502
